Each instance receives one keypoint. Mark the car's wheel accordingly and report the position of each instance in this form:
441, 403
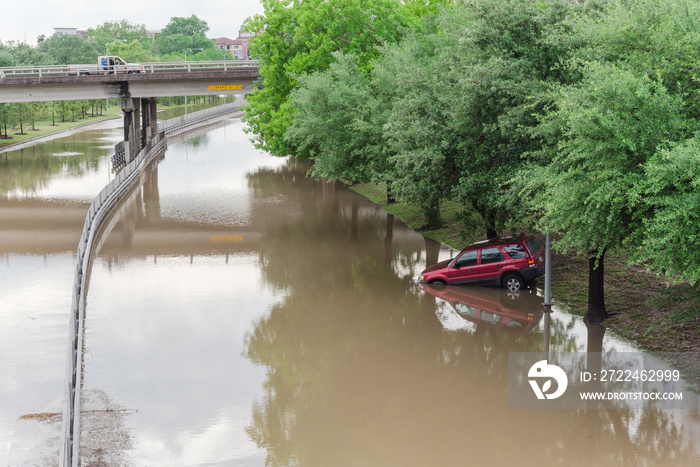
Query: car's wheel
513, 282
438, 282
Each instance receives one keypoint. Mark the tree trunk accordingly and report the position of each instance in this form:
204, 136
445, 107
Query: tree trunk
431, 217
389, 196
596, 289
491, 231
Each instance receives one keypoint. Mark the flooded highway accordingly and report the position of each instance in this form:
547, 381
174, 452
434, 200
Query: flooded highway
242, 314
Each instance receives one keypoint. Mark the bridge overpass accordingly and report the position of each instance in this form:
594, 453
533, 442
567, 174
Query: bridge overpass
57, 83
138, 91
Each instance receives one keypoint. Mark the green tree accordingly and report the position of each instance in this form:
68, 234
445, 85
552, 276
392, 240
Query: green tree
331, 107
67, 49
38, 112
110, 31
23, 114
26, 55
133, 52
424, 156
6, 119
669, 235
183, 33
296, 38
498, 60
7, 58
598, 139
604, 181
62, 109
655, 37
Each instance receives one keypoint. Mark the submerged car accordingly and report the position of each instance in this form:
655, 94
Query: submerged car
508, 262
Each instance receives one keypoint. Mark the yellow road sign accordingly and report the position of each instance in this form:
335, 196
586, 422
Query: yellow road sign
226, 238
221, 87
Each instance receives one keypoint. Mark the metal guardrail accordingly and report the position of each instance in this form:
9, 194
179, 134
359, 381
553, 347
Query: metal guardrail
105, 200
184, 121
154, 67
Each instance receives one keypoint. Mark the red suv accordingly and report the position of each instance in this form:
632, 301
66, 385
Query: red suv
508, 262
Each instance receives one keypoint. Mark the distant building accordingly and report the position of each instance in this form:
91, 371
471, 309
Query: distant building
65, 31
237, 47
70, 32
153, 34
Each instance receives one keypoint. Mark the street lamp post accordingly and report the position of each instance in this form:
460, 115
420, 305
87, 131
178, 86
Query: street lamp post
191, 50
107, 54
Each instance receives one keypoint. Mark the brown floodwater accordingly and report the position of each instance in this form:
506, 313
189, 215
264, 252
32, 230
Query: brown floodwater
240, 313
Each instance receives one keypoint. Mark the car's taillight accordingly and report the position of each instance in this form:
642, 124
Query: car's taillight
530, 262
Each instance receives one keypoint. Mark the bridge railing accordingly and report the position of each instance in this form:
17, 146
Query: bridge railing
153, 67
156, 67
34, 70
177, 123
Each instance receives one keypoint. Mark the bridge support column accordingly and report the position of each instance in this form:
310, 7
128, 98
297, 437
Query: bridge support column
132, 124
149, 129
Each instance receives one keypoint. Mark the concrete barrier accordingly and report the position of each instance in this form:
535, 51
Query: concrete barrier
100, 207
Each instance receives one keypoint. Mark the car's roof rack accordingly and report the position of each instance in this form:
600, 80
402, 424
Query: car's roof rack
492, 241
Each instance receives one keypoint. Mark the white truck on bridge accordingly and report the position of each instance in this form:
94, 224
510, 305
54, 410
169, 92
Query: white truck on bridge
106, 64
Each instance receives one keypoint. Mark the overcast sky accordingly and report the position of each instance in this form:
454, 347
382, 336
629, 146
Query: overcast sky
20, 20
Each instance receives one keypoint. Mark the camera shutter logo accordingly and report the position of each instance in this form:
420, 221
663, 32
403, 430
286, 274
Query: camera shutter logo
544, 373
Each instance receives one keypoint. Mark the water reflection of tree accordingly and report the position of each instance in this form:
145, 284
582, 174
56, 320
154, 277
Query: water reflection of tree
31, 169
361, 372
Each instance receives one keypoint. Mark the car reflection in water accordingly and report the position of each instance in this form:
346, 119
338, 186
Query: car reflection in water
518, 312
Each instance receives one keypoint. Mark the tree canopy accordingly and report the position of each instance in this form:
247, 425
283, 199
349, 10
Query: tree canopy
183, 34
576, 118
296, 38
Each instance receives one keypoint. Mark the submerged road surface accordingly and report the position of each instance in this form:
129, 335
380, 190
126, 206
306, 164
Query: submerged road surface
241, 313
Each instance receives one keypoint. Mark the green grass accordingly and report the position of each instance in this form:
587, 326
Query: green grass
461, 225
44, 128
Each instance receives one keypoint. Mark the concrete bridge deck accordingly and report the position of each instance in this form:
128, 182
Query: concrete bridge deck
192, 81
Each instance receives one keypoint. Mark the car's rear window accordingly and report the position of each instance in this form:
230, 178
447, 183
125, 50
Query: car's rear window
515, 251
533, 245
491, 255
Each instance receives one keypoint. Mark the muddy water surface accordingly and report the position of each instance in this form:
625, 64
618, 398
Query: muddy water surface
45, 190
240, 313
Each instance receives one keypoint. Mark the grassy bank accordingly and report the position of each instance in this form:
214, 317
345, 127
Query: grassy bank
644, 308
43, 128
